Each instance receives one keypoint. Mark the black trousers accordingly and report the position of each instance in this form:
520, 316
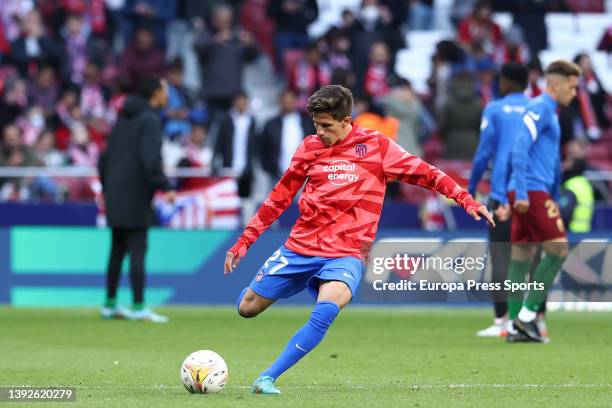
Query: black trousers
132, 241
500, 248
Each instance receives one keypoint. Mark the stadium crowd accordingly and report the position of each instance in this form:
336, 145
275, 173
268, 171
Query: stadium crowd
67, 66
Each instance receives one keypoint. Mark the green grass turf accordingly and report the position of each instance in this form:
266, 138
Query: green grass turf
372, 357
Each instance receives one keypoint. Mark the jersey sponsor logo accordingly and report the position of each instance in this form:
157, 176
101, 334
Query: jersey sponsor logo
511, 108
361, 150
534, 115
341, 172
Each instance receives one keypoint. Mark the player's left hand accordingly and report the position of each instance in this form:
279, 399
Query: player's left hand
231, 262
482, 211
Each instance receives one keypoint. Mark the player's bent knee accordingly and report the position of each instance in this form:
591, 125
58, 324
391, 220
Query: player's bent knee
247, 310
253, 304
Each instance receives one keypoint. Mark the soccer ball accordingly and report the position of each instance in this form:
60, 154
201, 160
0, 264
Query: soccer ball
204, 372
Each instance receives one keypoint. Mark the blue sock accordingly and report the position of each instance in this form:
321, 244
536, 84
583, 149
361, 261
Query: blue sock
240, 297
305, 339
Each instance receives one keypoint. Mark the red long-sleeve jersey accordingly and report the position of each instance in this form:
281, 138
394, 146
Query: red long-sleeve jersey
343, 197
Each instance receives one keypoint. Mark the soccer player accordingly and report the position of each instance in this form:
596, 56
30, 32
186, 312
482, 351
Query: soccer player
345, 170
534, 188
497, 128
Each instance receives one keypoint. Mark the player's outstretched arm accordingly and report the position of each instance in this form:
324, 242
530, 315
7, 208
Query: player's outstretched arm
277, 201
400, 165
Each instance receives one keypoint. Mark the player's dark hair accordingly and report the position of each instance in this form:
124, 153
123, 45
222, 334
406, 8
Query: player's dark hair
515, 73
333, 99
564, 68
149, 85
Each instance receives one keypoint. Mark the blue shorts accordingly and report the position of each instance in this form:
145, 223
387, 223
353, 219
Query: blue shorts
286, 273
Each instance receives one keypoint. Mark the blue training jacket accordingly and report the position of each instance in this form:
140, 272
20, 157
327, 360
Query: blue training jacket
497, 132
536, 162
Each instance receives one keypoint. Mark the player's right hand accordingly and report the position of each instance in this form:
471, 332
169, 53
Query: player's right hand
522, 206
503, 212
231, 262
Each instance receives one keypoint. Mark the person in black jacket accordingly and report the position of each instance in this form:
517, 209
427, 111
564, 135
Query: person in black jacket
131, 172
292, 18
234, 147
282, 135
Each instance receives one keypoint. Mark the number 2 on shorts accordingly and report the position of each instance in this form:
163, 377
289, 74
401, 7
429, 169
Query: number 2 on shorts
283, 262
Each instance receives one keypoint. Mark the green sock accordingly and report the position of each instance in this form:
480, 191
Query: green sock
516, 274
138, 306
545, 273
111, 303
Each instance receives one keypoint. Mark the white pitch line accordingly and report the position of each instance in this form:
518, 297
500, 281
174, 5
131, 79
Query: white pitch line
351, 386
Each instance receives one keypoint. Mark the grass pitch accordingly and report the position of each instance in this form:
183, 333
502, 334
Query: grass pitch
376, 357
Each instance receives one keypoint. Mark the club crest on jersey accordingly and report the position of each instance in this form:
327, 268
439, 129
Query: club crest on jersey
259, 276
361, 150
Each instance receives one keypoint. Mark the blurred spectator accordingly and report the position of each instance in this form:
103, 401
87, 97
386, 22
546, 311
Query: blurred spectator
13, 102
75, 37
46, 152
142, 57
397, 10
222, 52
198, 155
344, 77
447, 59
309, 74
370, 115
530, 16
374, 23
62, 119
577, 201
31, 125
282, 135
13, 153
235, 144
180, 103
379, 74
421, 15
11, 145
82, 151
460, 10
536, 82
45, 89
592, 99
339, 45
94, 101
292, 18
513, 48
487, 87
402, 104
12, 14
34, 46
5, 45
459, 119
155, 14
119, 92
480, 29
